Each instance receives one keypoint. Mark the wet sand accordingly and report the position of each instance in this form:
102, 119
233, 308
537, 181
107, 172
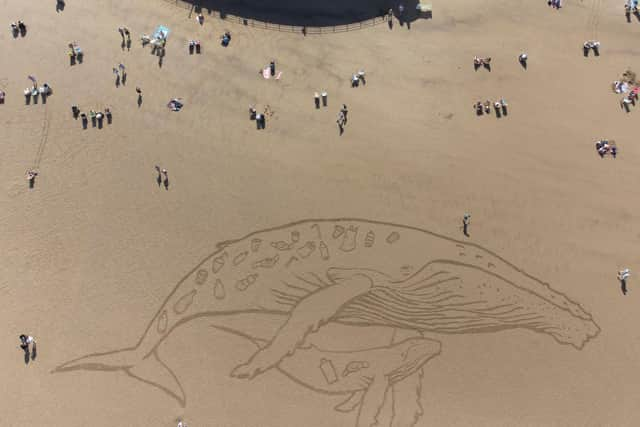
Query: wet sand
90, 253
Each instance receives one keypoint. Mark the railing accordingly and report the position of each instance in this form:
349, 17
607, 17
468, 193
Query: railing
302, 29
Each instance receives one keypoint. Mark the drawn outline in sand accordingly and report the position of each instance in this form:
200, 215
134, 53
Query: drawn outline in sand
411, 280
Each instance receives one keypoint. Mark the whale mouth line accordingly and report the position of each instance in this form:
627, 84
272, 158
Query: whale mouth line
90, 367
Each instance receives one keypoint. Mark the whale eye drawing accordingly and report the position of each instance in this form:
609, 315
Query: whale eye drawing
307, 282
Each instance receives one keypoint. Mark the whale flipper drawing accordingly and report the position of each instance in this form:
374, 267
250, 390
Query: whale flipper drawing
355, 272
309, 314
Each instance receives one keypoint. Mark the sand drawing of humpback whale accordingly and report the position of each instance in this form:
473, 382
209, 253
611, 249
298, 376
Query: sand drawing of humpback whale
354, 272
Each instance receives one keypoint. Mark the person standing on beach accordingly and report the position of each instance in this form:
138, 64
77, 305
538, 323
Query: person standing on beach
466, 220
341, 122
623, 275
166, 179
272, 68
343, 112
522, 59
124, 73
25, 340
159, 178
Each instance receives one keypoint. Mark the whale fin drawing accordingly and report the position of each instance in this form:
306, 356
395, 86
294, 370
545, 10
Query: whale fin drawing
351, 402
311, 312
372, 402
149, 369
407, 409
406, 394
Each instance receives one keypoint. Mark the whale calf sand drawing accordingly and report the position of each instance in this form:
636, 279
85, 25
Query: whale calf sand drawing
390, 369
354, 272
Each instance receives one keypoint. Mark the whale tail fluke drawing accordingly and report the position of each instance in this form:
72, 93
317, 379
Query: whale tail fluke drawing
149, 369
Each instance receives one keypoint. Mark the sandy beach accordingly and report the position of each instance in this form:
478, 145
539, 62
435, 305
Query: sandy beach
93, 250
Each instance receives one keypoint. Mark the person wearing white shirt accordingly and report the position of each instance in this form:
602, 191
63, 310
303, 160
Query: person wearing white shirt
623, 275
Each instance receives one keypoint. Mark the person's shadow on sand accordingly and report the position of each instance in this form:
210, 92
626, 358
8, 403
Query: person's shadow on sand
29, 355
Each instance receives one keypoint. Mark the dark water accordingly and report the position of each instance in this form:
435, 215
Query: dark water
302, 13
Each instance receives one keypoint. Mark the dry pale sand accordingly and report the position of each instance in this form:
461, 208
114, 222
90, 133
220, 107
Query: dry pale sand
90, 254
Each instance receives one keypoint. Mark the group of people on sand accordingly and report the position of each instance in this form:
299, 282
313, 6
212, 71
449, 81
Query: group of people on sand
358, 78
631, 6
34, 91
95, 116
630, 98
158, 44
75, 53
121, 74
175, 104
629, 87
605, 147
18, 28
486, 61
316, 98
126, 37
260, 118
591, 45
556, 4
481, 62
485, 108
194, 45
